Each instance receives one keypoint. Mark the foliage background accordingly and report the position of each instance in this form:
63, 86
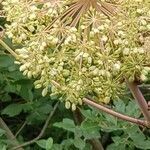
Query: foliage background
23, 106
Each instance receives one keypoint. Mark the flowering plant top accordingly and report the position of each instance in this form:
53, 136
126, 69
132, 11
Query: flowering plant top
79, 48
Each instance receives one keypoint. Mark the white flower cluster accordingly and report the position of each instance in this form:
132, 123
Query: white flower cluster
76, 49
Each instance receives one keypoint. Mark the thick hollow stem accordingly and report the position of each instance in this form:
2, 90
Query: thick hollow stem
137, 94
115, 114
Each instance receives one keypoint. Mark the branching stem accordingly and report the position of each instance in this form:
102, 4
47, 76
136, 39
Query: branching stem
21, 128
42, 131
115, 114
9, 134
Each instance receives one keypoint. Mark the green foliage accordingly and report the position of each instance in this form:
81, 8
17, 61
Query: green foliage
2, 132
69, 125
63, 133
131, 137
66, 124
90, 129
21, 104
2, 140
46, 144
13, 109
18, 106
6, 61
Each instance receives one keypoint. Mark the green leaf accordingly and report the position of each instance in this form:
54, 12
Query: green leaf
26, 93
49, 143
45, 144
143, 144
66, 124
135, 134
78, 132
87, 113
120, 140
57, 147
5, 98
36, 117
88, 146
138, 138
6, 61
119, 106
41, 143
133, 112
12, 68
116, 139
38, 110
111, 120
116, 147
90, 129
67, 143
45, 108
16, 75
13, 110
12, 88
2, 146
79, 143
26, 89
2, 132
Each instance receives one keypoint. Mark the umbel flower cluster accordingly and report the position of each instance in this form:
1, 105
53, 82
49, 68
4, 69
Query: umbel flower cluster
79, 48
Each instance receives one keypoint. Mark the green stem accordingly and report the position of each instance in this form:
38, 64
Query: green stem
42, 131
8, 48
9, 134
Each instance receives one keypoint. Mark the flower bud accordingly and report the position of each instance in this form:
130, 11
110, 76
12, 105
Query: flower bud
67, 105
44, 92
38, 86
106, 100
23, 68
143, 77
73, 107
